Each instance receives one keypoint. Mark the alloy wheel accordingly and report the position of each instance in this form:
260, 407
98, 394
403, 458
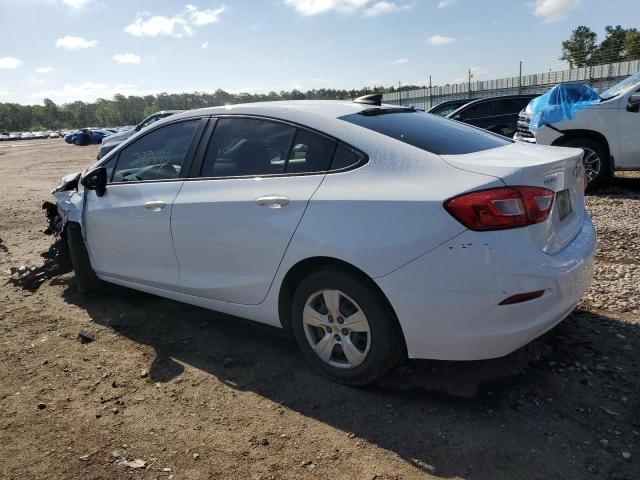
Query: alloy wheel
592, 164
336, 328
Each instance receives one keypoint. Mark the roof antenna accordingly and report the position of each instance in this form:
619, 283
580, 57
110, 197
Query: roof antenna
373, 99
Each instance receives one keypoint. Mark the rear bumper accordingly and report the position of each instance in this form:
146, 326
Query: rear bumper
447, 300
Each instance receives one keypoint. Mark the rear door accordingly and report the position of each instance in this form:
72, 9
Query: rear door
128, 230
232, 224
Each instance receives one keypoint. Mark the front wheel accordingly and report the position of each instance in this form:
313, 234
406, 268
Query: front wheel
343, 327
595, 160
86, 279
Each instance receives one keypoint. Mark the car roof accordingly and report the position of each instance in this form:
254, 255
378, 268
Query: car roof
286, 109
503, 97
530, 96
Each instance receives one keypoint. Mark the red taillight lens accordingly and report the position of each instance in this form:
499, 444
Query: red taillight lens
500, 208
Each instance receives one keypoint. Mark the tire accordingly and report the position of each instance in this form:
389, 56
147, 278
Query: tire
86, 280
376, 351
594, 151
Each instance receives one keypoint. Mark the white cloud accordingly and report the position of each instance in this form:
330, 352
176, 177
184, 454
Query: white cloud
204, 17
204, 46
369, 8
44, 69
179, 25
9, 63
446, 3
381, 8
87, 91
554, 10
37, 81
440, 40
76, 3
159, 26
400, 61
127, 58
4, 92
74, 43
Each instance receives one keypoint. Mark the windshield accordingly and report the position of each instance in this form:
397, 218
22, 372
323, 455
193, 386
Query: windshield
618, 88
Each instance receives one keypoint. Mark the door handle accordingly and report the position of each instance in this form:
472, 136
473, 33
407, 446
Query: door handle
272, 201
155, 205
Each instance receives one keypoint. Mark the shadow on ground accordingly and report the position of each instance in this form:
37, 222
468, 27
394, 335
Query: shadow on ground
527, 415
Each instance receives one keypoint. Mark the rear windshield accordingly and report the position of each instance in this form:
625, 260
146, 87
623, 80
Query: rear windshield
427, 132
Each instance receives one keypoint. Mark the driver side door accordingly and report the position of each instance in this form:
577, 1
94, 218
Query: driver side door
128, 230
629, 135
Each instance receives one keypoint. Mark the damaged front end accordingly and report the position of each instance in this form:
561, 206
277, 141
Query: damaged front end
68, 206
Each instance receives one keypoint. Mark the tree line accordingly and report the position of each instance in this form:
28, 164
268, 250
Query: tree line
583, 50
130, 110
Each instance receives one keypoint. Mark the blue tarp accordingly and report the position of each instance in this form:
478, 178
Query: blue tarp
560, 103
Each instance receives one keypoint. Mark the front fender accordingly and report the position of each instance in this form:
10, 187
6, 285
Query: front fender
69, 205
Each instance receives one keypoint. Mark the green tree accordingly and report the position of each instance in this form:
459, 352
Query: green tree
632, 45
579, 49
611, 49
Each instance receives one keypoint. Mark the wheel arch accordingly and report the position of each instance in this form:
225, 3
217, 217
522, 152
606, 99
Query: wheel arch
298, 271
591, 134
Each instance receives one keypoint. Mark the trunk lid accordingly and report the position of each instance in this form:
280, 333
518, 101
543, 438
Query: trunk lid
555, 168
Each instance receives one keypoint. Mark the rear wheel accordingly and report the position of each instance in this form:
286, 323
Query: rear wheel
343, 327
86, 279
595, 160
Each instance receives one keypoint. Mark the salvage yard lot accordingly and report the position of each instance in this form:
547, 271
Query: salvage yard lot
198, 395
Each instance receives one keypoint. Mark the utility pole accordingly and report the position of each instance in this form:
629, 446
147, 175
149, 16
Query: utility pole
430, 94
469, 83
400, 91
520, 79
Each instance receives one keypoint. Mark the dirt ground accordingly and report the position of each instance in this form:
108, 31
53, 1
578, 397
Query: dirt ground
194, 394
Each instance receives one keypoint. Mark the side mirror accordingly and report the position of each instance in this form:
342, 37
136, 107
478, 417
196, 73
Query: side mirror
634, 103
96, 180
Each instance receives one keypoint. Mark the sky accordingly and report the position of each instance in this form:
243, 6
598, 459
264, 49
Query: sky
70, 50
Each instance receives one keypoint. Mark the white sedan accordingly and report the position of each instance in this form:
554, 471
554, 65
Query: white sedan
370, 232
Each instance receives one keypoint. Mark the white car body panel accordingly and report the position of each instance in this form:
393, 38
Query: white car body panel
228, 246
214, 247
145, 254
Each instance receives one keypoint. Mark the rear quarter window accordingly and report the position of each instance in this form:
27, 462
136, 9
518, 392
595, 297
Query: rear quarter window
428, 132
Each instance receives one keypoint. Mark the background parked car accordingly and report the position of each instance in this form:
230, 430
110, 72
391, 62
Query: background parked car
121, 136
497, 114
87, 136
4, 136
445, 108
608, 131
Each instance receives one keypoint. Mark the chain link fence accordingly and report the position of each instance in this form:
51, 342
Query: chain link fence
599, 77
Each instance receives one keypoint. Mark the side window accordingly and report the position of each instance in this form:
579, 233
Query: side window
150, 121
109, 166
504, 107
310, 153
245, 146
345, 157
158, 155
476, 111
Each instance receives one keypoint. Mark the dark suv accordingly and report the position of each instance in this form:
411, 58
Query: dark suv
496, 114
445, 108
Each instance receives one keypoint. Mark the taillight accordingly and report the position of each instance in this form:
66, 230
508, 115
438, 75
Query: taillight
500, 208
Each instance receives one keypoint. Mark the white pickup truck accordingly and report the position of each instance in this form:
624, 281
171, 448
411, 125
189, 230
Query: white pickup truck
608, 131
